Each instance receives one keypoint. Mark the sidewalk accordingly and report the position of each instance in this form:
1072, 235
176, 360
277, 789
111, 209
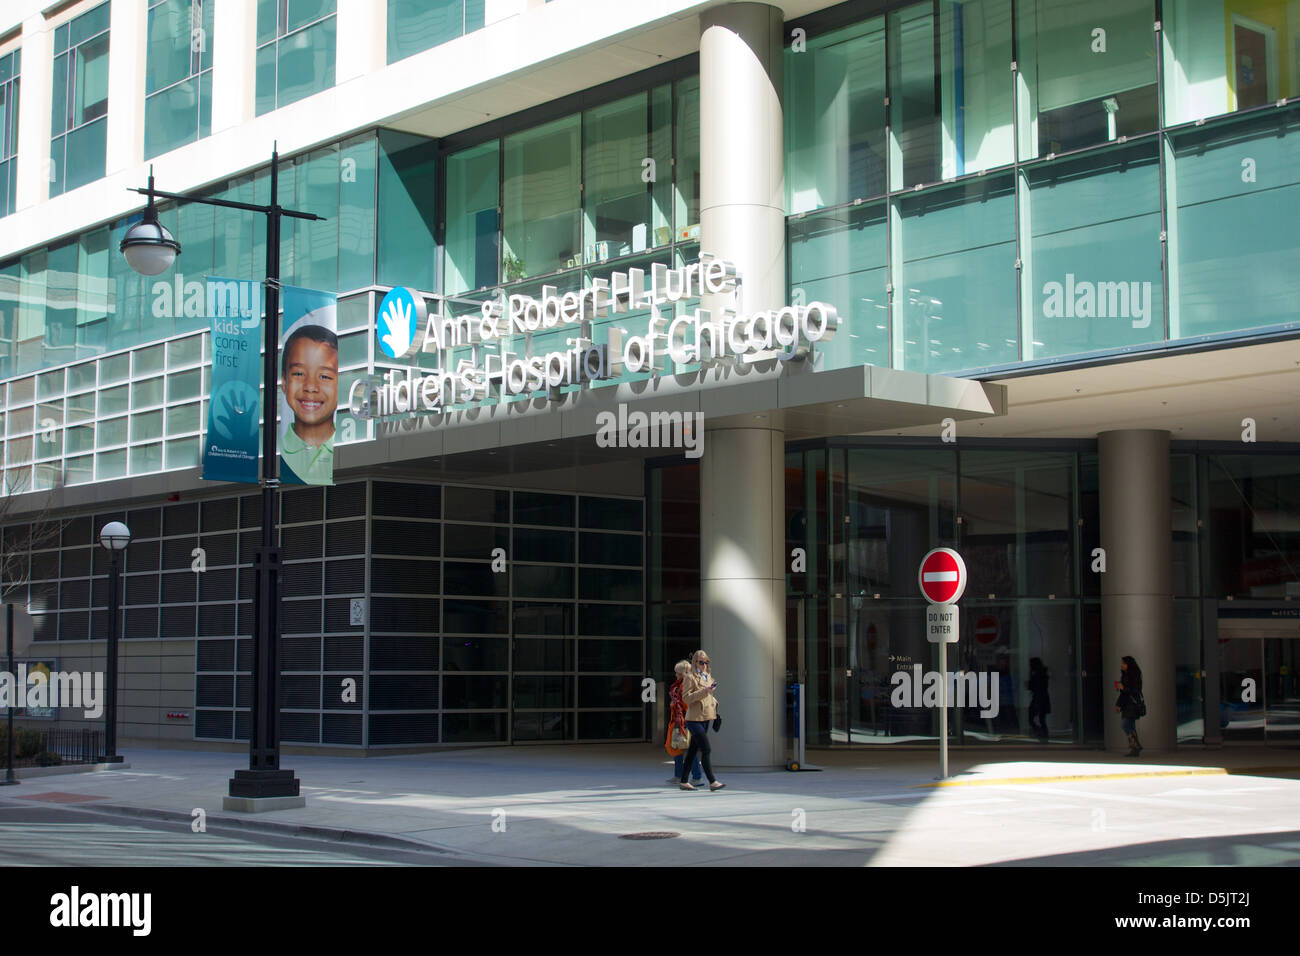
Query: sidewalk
568, 804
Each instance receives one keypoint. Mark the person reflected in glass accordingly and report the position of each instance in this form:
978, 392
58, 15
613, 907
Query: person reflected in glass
677, 718
1129, 704
702, 707
1040, 704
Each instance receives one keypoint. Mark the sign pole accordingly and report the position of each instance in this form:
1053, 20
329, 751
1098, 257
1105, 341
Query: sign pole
943, 710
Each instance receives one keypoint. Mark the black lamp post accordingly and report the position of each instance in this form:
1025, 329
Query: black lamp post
115, 536
10, 780
147, 246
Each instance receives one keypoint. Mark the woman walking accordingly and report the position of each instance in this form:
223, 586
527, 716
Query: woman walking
1040, 704
701, 707
1129, 704
677, 718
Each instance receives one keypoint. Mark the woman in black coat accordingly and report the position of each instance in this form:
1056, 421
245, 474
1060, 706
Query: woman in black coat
1129, 704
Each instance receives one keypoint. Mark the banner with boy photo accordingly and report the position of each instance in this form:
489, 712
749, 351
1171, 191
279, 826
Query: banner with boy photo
309, 389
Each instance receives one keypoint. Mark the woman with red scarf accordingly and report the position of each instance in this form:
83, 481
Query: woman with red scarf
677, 718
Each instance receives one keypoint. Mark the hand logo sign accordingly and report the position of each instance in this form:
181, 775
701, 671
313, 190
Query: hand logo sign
400, 316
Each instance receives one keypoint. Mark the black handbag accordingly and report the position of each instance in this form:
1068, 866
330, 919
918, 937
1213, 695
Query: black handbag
717, 723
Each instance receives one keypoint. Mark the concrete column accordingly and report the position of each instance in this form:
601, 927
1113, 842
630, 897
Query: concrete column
362, 40
1137, 608
124, 145
34, 113
742, 477
234, 63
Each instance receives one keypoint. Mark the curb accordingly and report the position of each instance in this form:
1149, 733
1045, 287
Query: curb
303, 830
999, 781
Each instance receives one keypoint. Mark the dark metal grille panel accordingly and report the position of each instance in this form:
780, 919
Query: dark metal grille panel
178, 554
307, 504
300, 617
243, 725
301, 542
215, 584
397, 537
212, 724
220, 515
141, 622
178, 622
403, 653
78, 531
216, 620
333, 687
419, 615
338, 615
250, 511
345, 538
403, 729
403, 691
300, 654
141, 589
220, 549
215, 655
73, 594
178, 587
214, 691
393, 576
343, 653
346, 501
142, 556
407, 501
74, 626
300, 728
76, 562
244, 690
345, 577
301, 579
144, 522
299, 691
180, 519
342, 729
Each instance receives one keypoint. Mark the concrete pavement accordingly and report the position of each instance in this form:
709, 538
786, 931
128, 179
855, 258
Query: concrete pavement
578, 804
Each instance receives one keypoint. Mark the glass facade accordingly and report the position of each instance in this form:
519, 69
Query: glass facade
79, 101
418, 25
178, 74
1026, 517
980, 184
295, 50
10, 67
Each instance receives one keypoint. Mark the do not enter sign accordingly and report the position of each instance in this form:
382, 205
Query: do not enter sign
942, 576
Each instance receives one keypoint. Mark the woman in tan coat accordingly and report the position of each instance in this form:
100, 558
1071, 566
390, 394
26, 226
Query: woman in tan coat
701, 708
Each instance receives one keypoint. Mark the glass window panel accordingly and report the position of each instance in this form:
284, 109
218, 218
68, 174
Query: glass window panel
533, 544
912, 109
476, 504
264, 70
356, 217
686, 169
473, 192
147, 361
80, 439
607, 584
81, 408
116, 368
89, 23
625, 549
111, 432
183, 385
81, 376
415, 25
305, 63
543, 655
146, 458
536, 508
50, 384
146, 426
406, 210
59, 96
975, 85
1234, 241
80, 470
835, 118
20, 421
186, 351
839, 258
959, 276
542, 581
609, 656
1218, 60
614, 514
91, 81
85, 155
171, 118
1094, 277
541, 199
660, 230
110, 464
113, 400
1087, 72
617, 199
475, 654
183, 453
302, 12
167, 53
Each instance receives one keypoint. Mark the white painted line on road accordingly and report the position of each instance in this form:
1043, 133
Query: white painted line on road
1144, 801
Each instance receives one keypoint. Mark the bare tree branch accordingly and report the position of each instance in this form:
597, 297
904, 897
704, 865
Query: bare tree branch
35, 530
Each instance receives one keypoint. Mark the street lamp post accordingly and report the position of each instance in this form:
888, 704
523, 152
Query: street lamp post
152, 247
115, 536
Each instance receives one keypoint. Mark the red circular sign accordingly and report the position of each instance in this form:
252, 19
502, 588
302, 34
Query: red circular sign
986, 629
942, 576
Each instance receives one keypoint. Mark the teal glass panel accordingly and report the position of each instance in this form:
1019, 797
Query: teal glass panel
113, 401
89, 23
686, 153
1234, 237
310, 249
111, 432
144, 394
183, 352
86, 152
473, 191
616, 218
146, 361
81, 376
115, 368
661, 180
1088, 72
407, 197
147, 426
266, 21
50, 385
167, 46
80, 439
1094, 264
305, 62
59, 96
80, 470
90, 83
183, 453
976, 126
61, 38
171, 118
839, 258
205, 104
1218, 61
264, 85
303, 12
835, 118
8, 68
93, 298
356, 213
475, 15
61, 282
416, 25
542, 199
959, 279
146, 458
183, 385
912, 112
